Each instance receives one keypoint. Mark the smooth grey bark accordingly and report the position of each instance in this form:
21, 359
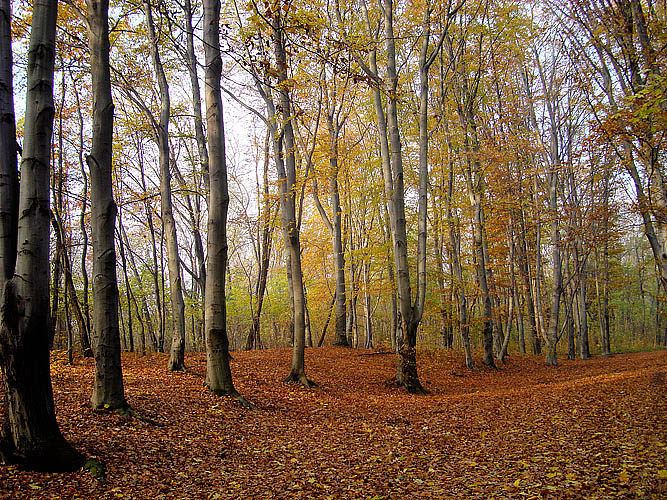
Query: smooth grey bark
191, 60
218, 372
392, 168
128, 288
524, 270
70, 290
31, 436
368, 323
392, 283
108, 390
161, 131
85, 309
457, 270
334, 223
9, 179
467, 104
606, 337
146, 319
287, 182
202, 150
155, 271
267, 216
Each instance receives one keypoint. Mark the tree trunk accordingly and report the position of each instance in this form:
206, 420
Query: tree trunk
84, 339
108, 391
455, 252
218, 372
267, 217
176, 355
9, 178
287, 182
334, 126
71, 291
31, 436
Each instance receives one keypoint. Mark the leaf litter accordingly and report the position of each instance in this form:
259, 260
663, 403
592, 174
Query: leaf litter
591, 429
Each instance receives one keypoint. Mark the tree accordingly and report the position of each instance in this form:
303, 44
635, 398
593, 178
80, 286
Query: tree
218, 373
108, 390
334, 124
392, 168
161, 132
9, 180
33, 438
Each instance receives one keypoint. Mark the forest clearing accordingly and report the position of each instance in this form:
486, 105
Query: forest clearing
586, 429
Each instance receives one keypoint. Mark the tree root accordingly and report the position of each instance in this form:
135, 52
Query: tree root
233, 394
297, 378
129, 413
192, 372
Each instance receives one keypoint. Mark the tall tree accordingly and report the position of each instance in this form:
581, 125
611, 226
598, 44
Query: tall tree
284, 146
387, 119
218, 372
161, 131
32, 437
335, 120
108, 390
9, 179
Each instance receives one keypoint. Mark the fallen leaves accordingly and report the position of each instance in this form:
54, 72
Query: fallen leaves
593, 429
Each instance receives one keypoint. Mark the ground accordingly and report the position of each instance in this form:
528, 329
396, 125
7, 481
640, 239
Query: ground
586, 429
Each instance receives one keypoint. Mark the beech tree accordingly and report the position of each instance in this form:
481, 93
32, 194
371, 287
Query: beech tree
218, 372
392, 167
9, 180
31, 436
108, 390
161, 133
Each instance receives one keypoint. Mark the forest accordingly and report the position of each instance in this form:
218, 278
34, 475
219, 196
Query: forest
407, 180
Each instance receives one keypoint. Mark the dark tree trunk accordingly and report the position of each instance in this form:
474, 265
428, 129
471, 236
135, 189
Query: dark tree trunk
108, 390
218, 372
31, 436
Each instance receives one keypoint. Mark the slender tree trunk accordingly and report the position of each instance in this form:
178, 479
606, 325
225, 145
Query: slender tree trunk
287, 181
455, 252
9, 178
557, 275
334, 126
536, 345
368, 341
144, 303
31, 437
191, 60
267, 217
177, 352
85, 334
71, 290
218, 372
327, 321
128, 288
108, 391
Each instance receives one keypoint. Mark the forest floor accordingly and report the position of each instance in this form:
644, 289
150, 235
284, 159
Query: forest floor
586, 429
